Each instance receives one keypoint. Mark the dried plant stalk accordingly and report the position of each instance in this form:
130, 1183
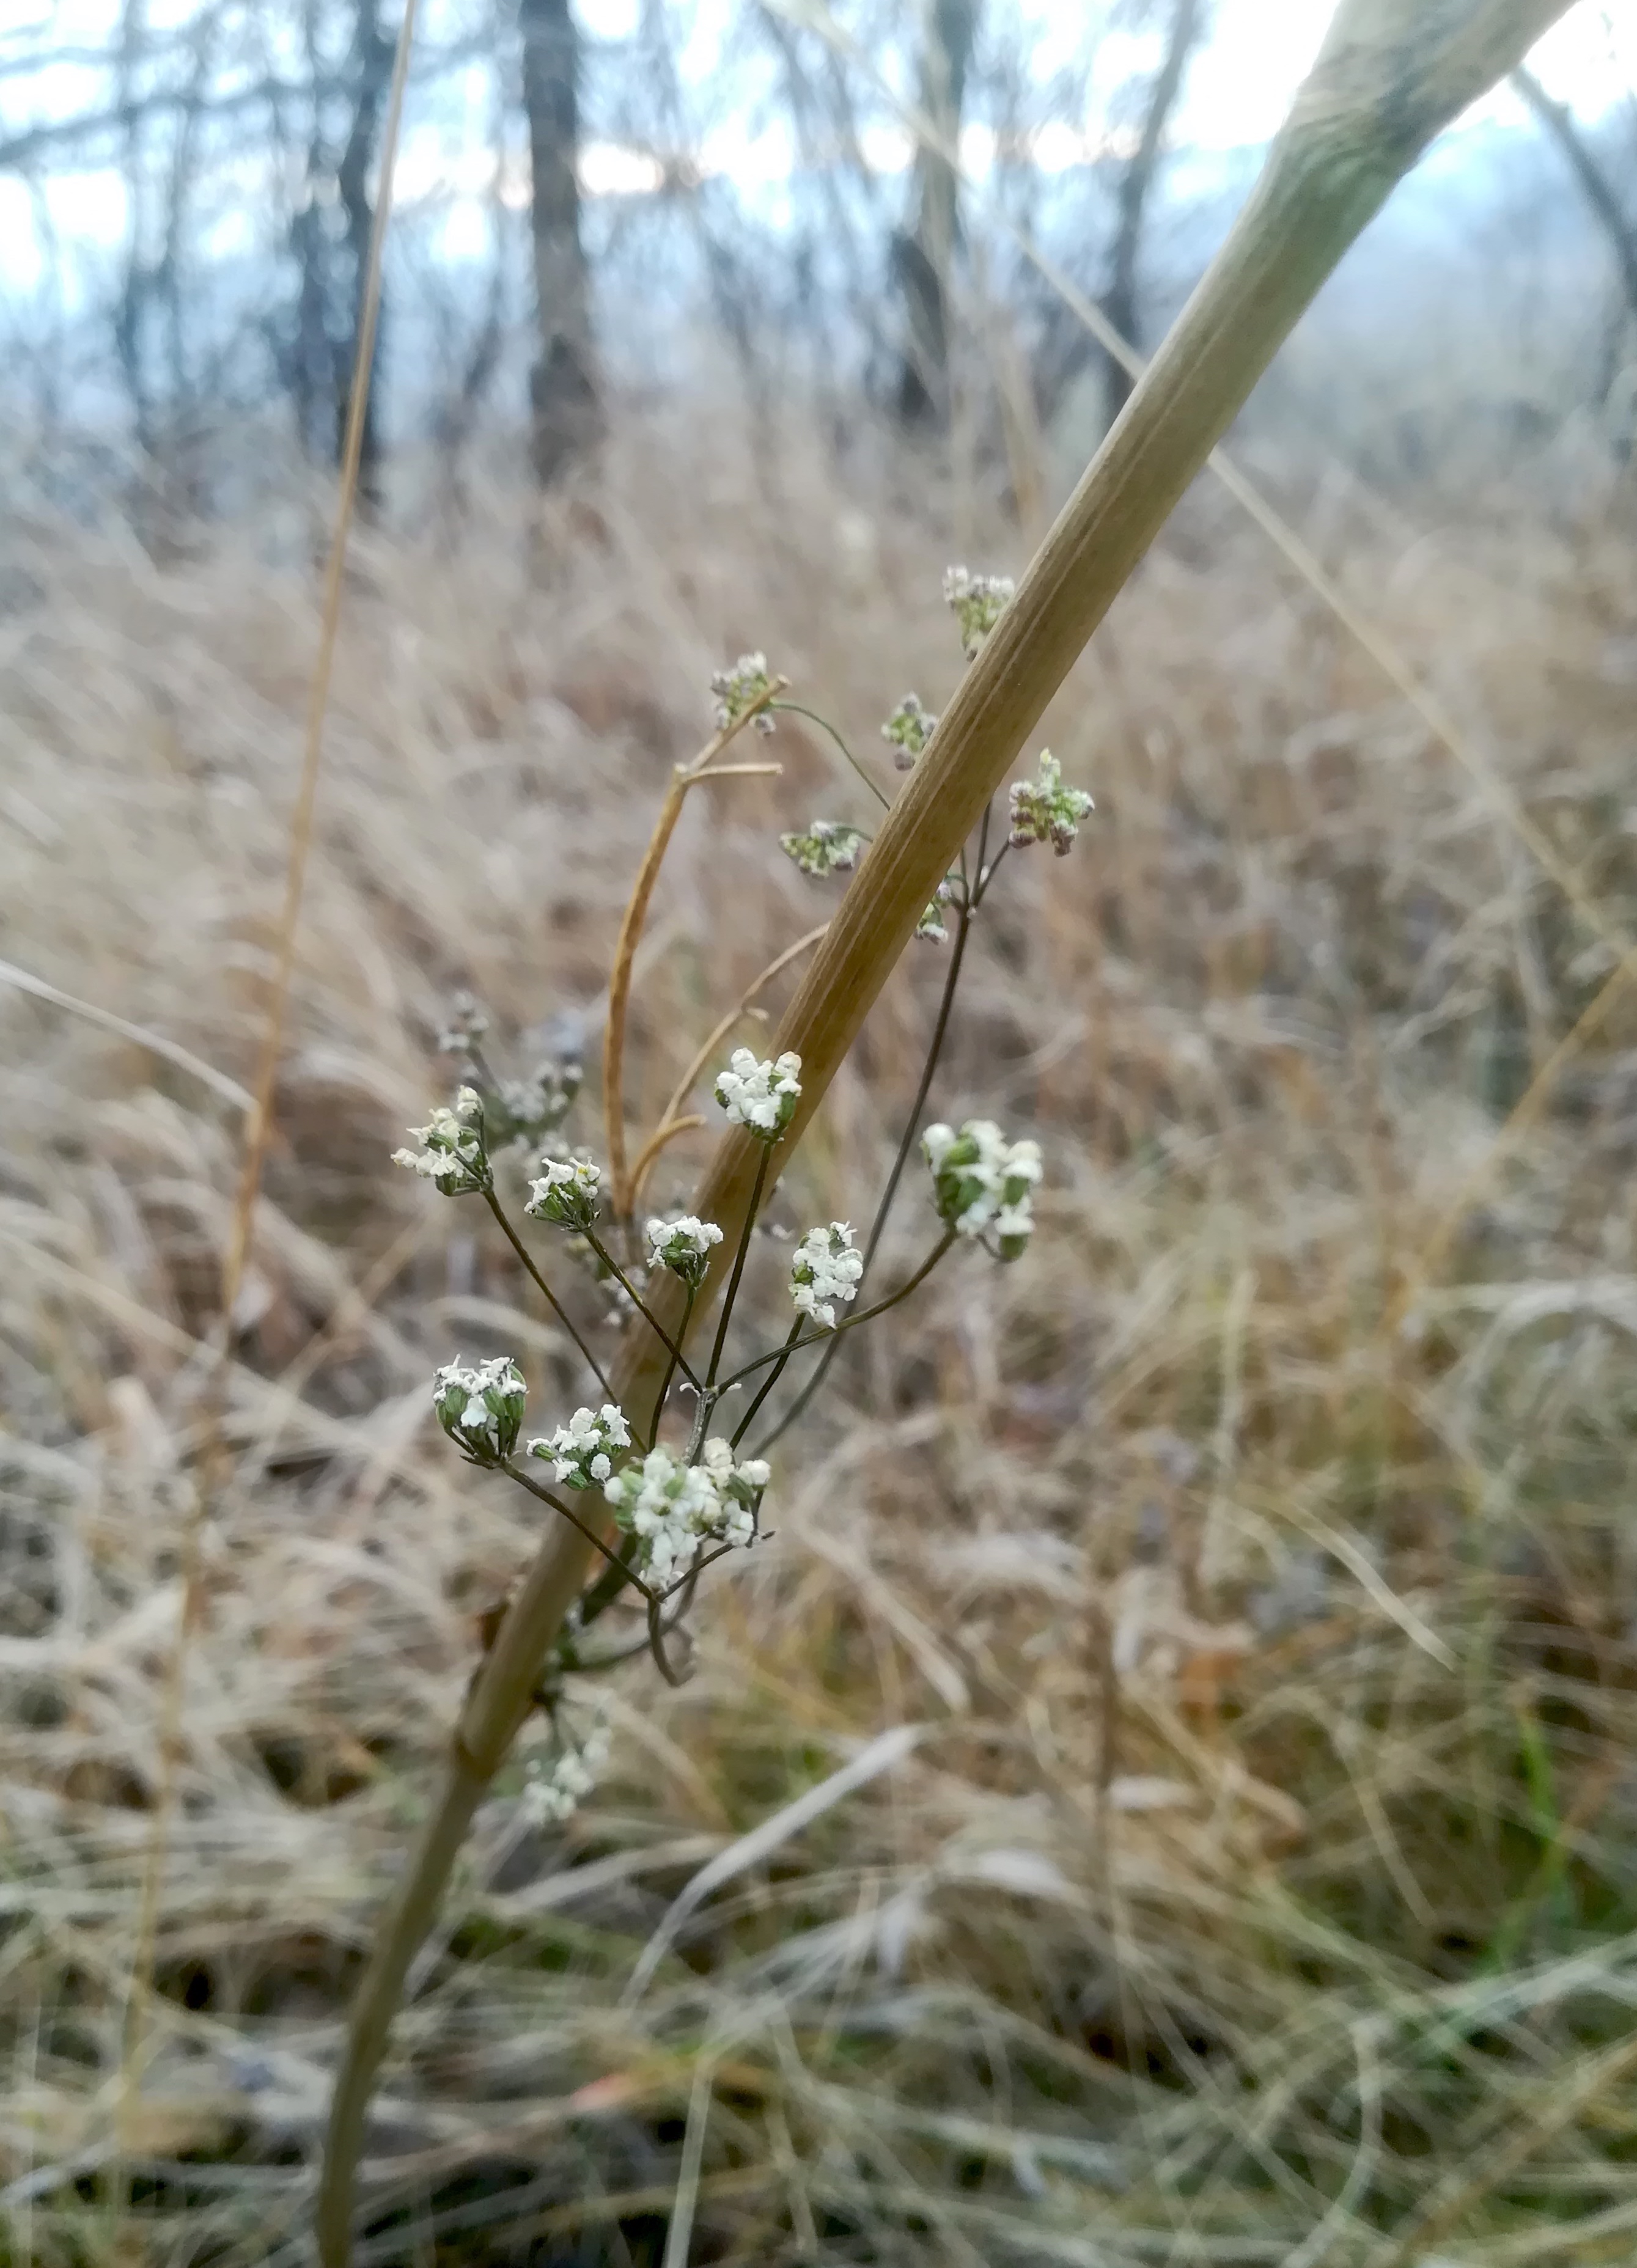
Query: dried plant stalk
1390, 75
620, 1182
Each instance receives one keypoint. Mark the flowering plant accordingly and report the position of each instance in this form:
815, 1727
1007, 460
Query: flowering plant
655, 1489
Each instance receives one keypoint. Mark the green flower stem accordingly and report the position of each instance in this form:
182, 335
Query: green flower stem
824, 725
778, 1361
781, 1355
745, 1234
676, 1356
617, 1566
672, 1346
906, 1142
555, 1304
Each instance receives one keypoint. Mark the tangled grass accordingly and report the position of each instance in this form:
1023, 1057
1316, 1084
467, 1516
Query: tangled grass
1165, 1794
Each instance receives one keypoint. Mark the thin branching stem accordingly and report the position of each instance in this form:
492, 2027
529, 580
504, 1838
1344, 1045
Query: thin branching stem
778, 1360
656, 1644
552, 1300
672, 1346
664, 1390
525, 1479
906, 1142
780, 1356
795, 709
745, 1234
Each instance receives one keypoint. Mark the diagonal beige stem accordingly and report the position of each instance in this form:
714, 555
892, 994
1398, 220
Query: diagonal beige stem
1391, 73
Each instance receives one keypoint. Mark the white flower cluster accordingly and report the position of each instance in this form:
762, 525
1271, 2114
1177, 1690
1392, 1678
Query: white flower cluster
551, 1792
682, 1246
825, 1268
468, 1022
827, 848
977, 602
1044, 811
481, 1407
738, 688
931, 929
908, 730
566, 1191
675, 1510
582, 1452
531, 1109
759, 1096
981, 1183
453, 1155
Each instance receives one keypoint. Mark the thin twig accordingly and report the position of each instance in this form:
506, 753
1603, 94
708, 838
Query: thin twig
666, 1131
707, 1047
746, 1229
781, 1355
525, 1479
683, 777
551, 1298
674, 1346
795, 709
906, 1142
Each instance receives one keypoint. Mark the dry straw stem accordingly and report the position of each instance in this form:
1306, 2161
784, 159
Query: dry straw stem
1390, 75
622, 1184
671, 1122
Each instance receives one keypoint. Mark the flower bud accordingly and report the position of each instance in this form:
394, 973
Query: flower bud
481, 1407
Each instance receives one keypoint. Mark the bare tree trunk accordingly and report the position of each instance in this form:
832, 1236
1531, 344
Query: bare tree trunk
1595, 184
1120, 300
567, 416
371, 70
924, 253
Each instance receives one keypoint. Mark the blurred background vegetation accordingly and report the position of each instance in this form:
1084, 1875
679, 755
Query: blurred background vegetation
1224, 1623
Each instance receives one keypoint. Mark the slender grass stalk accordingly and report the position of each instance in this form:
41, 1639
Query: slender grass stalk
669, 1122
258, 1130
1390, 74
683, 777
665, 1133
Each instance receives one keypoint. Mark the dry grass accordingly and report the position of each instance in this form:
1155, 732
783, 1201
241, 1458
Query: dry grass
1257, 1880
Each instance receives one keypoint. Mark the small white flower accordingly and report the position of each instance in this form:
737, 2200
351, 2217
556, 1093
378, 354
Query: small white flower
827, 848
468, 1022
481, 1407
739, 689
454, 1155
582, 1452
908, 730
982, 1183
682, 1246
977, 602
759, 1096
1044, 811
566, 1191
825, 1268
551, 1792
675, 1510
